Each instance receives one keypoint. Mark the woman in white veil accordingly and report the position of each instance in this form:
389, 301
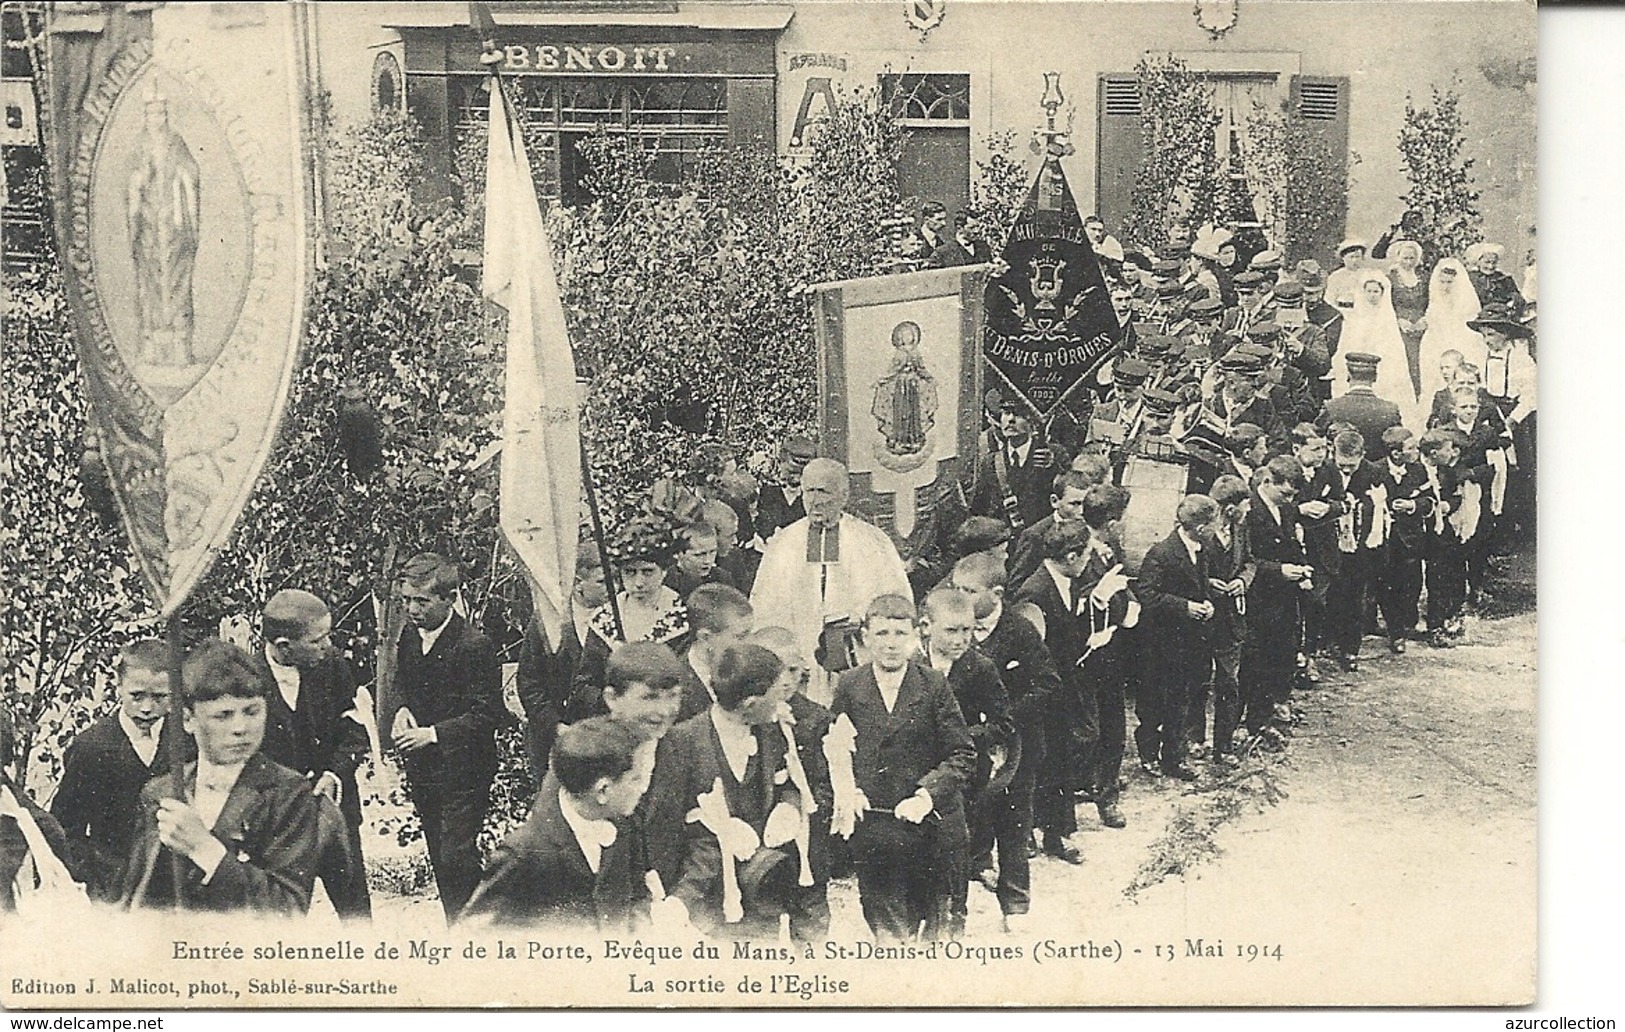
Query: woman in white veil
1452, 301
1372, 327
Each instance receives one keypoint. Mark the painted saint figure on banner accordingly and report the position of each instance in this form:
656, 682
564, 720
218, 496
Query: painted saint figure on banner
905, 404
163, 223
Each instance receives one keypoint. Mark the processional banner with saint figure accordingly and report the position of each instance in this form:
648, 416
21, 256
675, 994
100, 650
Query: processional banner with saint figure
182, 177
899, 373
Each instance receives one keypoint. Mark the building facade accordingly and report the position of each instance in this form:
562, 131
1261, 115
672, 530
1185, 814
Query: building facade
682, 76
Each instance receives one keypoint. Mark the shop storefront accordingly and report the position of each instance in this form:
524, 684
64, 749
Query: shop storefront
678, 82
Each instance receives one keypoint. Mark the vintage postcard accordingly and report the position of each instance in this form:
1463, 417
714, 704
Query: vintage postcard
849, 503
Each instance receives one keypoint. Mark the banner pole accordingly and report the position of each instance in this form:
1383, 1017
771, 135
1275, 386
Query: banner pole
598, 536
177, 748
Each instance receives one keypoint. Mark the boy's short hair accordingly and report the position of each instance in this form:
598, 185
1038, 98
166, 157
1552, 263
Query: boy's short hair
1229, 490
1287, 471
1395, 437
1349, 443
588, 560
1242, 437
890, 607
712, 607
642, 662
1470, 368
591, 749
1457, 437
1104, 503
433, 572
985, 570
721, 516
1304, 433
215, 669
1465, 391
1093, 467
150, 654
744, 671
1196, 511
1431, 442
1452, 352
1069, 480
1059, 540
692, 533
290, 614
978, 534
944, 599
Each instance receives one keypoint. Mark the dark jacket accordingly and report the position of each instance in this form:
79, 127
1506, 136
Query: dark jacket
1369, 414
1272, 600
317, 738
774, 512
457, 688
1029, 484
1168, 583
922, 743
1408, 530
270, 828
659, 823
539, 876
545, 678
1026, 670
98, 799
1228, 562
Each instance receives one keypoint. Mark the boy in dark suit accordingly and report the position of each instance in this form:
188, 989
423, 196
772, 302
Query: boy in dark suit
1360, 545
1177, 597
644, 691
1269, 656
547, 670
1054, 600
809, 723
1445, 566
450, 687
741, 857
245, 829
911, 756
1409, 507
312, 727
1319, 508
105, 768
946, 625
1110, 666
573, 862
1230, 571
719, 616
1003, 823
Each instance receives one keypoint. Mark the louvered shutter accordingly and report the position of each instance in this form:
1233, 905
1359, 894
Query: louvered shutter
1322, 102
1120, 147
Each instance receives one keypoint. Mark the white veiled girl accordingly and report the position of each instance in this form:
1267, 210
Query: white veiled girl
1372, 327
1451, 302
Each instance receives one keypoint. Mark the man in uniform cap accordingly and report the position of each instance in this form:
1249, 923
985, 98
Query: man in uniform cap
1303, 343
1114, 423
1323, 316
779, 504
1266, 262
1287, 387
1254, 302
1360, 407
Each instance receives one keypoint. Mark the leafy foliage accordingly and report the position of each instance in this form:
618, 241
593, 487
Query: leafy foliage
998, 190
1181, 181
1441, 191
1299, 186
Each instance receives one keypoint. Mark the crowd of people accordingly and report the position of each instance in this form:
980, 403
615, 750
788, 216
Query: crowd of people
764, 694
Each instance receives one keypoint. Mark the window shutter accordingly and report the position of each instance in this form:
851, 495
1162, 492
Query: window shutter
1119, 147
1322, 102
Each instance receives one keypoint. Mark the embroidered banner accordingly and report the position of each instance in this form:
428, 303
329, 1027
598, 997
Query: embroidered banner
180, 158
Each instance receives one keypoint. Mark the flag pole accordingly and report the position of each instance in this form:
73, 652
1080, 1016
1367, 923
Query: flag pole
598, 536
177, 748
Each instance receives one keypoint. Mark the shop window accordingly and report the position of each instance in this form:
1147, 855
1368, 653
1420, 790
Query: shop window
677, 119
934, 111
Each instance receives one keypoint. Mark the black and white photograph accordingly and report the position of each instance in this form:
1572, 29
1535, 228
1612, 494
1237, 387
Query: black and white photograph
733, 505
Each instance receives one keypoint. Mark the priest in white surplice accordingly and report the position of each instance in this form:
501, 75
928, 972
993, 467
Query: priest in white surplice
824, 568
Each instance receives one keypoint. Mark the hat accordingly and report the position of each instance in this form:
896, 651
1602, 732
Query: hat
1361, 360
1135, 256
1310, 278
1499, 316
1351, 245
1165, 267
1205, 308
1159, 400
1176, 249
1264, 331
1157, 345
1239, 362
978, 534
1250, 278
1130, 371
1195, 352
1209, 244
1288, 290
1169, 288
1258, 351
1265, 261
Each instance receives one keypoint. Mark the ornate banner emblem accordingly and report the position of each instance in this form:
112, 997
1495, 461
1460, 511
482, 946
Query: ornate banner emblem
1049, 317
182, 183
900, 389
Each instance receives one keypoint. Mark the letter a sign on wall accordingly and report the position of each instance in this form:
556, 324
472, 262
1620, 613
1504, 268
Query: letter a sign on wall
181, 171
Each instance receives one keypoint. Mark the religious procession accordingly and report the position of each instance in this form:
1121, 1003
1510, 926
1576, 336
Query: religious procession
668, 534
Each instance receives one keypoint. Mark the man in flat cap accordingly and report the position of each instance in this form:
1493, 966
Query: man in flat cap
1360, 407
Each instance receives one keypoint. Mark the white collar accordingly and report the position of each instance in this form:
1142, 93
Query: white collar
984, 628
1021, 451
212, 777
1063, 583
132, 731
592, 835
1192, 545
430, 637
892, 680
938, 664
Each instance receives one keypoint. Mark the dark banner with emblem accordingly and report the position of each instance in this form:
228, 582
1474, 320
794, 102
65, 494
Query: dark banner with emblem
179, 144
1050, 320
